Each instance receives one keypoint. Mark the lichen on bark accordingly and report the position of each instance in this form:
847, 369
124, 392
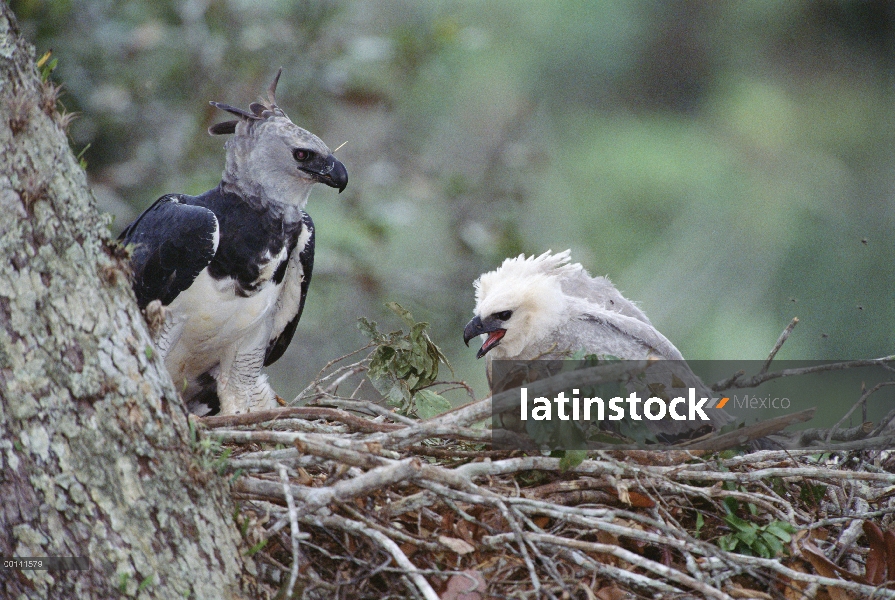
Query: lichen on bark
95, 456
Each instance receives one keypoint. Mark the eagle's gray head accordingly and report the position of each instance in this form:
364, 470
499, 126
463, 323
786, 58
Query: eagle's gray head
271, 158
520, 303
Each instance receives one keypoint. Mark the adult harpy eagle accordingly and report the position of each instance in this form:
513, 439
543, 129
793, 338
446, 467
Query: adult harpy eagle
232, 266
548, 308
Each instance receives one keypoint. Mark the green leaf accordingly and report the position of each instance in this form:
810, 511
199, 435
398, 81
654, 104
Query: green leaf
731, 504
429, 404
727, 543
775, 545
402, 364
401, 312
700, 523
781, 530
369, 329
761, 549
256, 548
738, 523
397, 395
572, 459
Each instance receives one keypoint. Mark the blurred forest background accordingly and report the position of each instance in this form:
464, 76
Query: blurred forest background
729, 165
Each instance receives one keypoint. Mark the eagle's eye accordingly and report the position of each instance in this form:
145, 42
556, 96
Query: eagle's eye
302, 155
503, 315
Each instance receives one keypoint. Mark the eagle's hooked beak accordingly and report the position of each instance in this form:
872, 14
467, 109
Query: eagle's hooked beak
331, 172
477, 327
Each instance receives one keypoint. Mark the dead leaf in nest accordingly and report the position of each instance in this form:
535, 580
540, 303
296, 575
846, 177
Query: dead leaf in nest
456, 545
408, 549
304, 478
633, 498
819, 533
605, 537
827, 568
638, 500
541, 522
468, 585
621, 490
880, 565
876, 558
465, 531
793, 588
447, 521
737, 591
889, 538
666, 458
612, 593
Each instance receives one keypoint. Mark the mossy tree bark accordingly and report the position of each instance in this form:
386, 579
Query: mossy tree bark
95, 455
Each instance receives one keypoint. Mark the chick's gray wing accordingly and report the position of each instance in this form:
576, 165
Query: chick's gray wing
600, 292
607, 332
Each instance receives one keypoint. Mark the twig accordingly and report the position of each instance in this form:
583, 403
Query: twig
454, 454
293, 523
860, 402
363, 405
614, 573
391, 531
840, 366
303, 412
744, 435
619, 552
806, 437
780, 341
385, 542
321, 378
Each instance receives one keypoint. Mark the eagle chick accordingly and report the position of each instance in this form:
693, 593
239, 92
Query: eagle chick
546, 307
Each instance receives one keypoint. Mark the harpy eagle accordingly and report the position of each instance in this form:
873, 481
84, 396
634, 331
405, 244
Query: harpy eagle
546, 307
231, 267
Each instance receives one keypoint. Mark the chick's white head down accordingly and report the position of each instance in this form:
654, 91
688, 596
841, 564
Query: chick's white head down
547, 306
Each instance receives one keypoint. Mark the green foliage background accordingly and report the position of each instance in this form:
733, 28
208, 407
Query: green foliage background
730, 165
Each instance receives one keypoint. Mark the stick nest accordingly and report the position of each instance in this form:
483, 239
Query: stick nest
342, 498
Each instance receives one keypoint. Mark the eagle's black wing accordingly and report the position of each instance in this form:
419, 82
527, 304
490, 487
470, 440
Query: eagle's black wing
172, 243
278, 345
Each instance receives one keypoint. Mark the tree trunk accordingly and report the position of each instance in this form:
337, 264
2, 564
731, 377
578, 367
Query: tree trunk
95, 452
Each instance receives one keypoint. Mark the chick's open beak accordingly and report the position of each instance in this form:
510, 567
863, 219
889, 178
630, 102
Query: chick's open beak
477, 327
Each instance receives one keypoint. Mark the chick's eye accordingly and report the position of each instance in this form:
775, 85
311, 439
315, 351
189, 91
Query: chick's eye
301, 155
504, 315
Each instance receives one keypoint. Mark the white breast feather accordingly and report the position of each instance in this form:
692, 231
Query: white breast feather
287, 304
215, 317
